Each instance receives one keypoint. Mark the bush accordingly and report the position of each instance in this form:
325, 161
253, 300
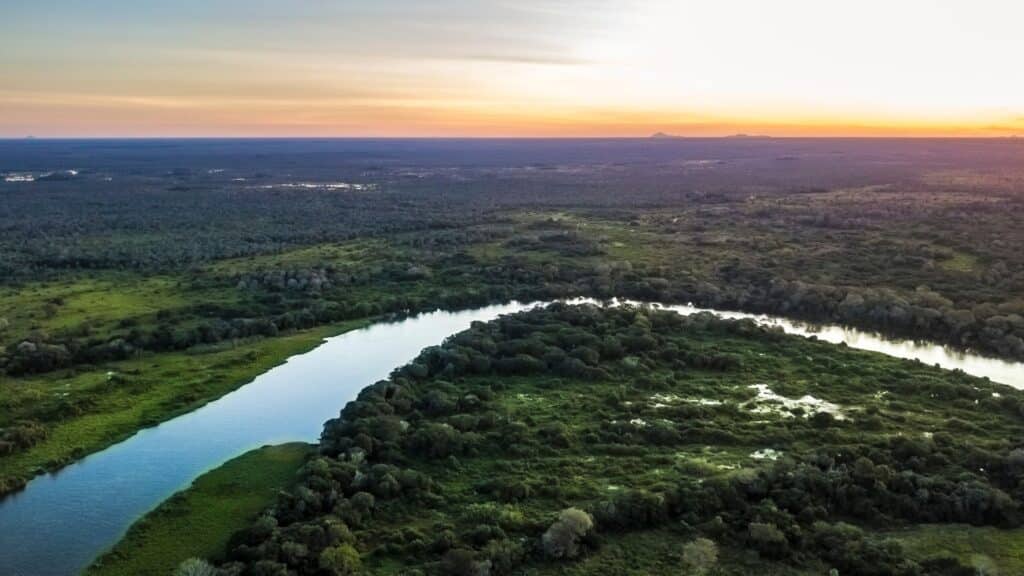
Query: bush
513, 490
341, 560
436, 440
767, 539
195, 567
700, 555
463, 562
633, 509
562, 539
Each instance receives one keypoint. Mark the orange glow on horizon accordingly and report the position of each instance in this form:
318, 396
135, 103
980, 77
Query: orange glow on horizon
533, 68
140, 117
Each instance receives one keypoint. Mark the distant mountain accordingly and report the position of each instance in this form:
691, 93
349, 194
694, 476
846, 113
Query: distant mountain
664, 136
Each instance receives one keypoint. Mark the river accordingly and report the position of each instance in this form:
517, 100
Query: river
62, 521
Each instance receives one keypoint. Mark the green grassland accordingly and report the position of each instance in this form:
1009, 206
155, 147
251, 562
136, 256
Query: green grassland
98, 301
744, 255
198, 521
988, 550
90, 410
360, 253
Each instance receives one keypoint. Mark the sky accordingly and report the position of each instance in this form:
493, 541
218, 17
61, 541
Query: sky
115, 68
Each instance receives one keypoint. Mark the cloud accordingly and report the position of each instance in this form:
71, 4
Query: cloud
527, 33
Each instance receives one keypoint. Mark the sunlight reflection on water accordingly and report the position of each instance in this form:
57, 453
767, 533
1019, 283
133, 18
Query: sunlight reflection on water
86, 507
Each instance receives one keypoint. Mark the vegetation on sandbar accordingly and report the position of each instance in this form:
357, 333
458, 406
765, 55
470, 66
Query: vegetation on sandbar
198, 521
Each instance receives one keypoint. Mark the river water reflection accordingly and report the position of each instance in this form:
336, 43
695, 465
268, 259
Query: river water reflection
61, 521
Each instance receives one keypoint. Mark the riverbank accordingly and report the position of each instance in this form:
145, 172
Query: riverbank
198, 521
111, 489
108, 492
760, 451
124, 397
140, 393
77, 403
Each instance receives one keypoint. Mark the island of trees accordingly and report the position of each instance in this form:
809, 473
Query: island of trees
580, 439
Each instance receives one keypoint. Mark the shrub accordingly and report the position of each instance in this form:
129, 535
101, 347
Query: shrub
341, 560
767, 539
504, 555
195, 567
463, 562
436, 440
700, 555
513, 491
562, 539
634, 509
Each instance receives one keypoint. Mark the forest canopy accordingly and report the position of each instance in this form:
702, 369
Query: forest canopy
543, 439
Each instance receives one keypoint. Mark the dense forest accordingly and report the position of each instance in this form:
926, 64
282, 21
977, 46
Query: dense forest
113, 252
141, 280
581, 439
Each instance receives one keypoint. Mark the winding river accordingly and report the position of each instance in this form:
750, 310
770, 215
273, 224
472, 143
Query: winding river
61, 521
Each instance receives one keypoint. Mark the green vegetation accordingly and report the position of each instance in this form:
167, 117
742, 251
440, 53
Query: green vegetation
579, 439
156, 278
570, 441
198, 521
87, 411
662, 551
987, 550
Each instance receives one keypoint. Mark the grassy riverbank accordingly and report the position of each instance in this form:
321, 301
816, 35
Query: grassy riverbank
93, 355
114, 403
198, 521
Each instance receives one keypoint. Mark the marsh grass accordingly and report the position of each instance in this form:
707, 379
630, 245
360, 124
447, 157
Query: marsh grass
198, 521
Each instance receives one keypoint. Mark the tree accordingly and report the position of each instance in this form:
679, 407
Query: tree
984, 566
768, 539
864, 471
196, 567
562, 539
363, 502
700, 555
435, 440
341, 560
463, 562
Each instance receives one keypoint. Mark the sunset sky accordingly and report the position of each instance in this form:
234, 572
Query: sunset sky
510, 68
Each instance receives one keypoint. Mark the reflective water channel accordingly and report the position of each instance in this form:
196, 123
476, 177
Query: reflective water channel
62, 521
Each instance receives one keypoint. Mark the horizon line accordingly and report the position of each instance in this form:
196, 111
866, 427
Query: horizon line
653, 137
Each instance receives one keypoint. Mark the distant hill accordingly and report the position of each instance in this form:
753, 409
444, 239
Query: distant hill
667, 136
